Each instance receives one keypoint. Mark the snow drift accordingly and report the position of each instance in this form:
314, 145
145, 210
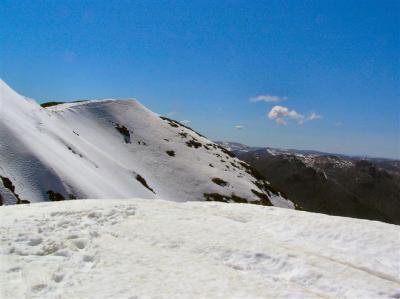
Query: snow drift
114, 149
160, 249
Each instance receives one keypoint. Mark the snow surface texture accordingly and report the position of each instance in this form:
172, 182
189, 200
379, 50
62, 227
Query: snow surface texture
161, 249
112, 149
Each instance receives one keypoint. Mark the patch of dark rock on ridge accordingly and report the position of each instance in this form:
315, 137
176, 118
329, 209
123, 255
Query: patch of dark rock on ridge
219, 182
144, 183
55, 196
264, 200
49, 104
74, 152
124, 132
234, 198
171, 153
171, 122
193, 143
9, 185
176, 124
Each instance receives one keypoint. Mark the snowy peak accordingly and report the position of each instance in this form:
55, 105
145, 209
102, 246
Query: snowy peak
115, 149
13, 104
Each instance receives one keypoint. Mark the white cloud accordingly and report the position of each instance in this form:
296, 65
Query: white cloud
185, 122
268, 98
282, 114
239, 127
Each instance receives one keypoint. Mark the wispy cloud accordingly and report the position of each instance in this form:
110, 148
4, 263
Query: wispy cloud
314, 116
172, 113
239, 127
281, 115
185, 122
267, 98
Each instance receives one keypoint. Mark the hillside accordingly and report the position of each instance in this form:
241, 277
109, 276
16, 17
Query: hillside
160, 249
114, 149
330, 183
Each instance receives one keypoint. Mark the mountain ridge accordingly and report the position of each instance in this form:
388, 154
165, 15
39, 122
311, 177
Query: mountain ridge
114, 149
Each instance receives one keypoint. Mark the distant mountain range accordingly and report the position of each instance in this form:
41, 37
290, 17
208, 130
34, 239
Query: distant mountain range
335, 184
115, 149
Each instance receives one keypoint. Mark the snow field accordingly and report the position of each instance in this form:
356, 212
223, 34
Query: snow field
140, 248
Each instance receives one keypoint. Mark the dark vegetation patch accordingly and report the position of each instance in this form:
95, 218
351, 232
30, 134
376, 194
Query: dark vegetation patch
211, 165
171, 153
124, 132
171, 122
77, 134
49, 104
261, 182
217, 197
206, 147
225, 151
264, 199
167, 140
193, 143
233, 198
252, 171
74, 152
219, 182
54, 196
264, 185
234, 165
144, 183
184, 135
176, 124
9, 185
141, 142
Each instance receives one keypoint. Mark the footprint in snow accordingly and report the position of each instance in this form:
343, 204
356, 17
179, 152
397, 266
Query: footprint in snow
35, 241
39, 287
79, 243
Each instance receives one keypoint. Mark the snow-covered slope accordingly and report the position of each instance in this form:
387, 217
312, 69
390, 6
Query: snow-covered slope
114, 149
161, 249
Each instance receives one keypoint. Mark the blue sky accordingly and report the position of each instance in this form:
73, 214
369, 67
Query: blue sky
333, 67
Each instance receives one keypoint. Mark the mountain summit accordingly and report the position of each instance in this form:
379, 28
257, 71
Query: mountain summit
115, 149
